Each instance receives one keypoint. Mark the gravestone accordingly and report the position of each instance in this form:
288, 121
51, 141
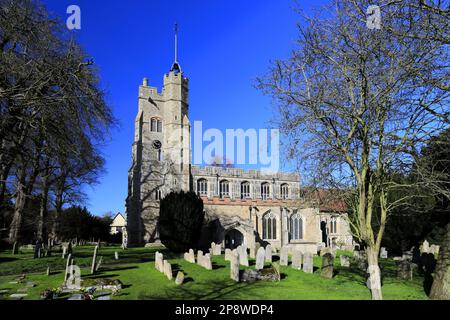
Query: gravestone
64, 252
216, 249
243, 257
405, 270
345, 261
116, 255
296, 259
269, 253
284, 260
48, 271
190, 256
425, 248
168, 269
227, 254
180, 278
383, 253
18, 296
94, 258
308, 263
276, 269
200, 257
327, 266
260, 257
234, 266
159, 264
206, 263
434, 249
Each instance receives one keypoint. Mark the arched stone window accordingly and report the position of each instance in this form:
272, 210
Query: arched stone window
245, 190
269, 222
202, 187
284, 191
333, 225
265, 190
296, 225
156, 125
224, 188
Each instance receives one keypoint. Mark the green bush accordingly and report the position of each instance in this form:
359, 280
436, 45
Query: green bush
180, 220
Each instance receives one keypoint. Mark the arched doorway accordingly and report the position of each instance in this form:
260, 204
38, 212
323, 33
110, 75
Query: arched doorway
233, 239
323, 228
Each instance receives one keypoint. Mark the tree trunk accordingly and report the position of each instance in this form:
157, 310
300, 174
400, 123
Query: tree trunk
43, 210
441, 284
58, 211
16, 224
374, 273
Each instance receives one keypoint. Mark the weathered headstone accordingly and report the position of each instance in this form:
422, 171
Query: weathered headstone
48, 271
64, 252
234, 266
180, 278
227, 254
200, 257
269, 253
308, 263
383, 253
327, 266
405, 270
425, 248
243, 257
345, 261
276, 268
284, 256
94, 260
296, 259
260, 257
168, 269
190, 256
116, 255
159, 264
207, 264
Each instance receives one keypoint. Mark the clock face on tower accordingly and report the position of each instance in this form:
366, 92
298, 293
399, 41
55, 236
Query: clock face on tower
157, 144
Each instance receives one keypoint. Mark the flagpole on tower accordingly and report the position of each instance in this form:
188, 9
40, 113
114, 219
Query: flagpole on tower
176, 42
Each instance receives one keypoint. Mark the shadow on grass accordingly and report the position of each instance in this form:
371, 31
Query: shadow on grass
216, 266
217, 290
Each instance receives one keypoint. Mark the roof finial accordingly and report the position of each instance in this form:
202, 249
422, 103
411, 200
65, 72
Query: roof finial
176, 66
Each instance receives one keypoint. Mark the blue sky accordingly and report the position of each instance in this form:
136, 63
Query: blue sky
223, 47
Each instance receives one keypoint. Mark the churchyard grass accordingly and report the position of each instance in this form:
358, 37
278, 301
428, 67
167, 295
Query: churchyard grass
135, 269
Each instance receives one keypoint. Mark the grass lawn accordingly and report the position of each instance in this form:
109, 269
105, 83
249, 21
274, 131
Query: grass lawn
135, 269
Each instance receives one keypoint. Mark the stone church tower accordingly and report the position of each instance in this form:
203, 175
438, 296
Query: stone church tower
161, 158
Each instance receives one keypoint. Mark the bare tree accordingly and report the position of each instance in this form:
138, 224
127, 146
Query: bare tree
351, 108
50, 104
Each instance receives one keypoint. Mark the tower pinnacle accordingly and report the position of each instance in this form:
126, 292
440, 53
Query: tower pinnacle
176, 66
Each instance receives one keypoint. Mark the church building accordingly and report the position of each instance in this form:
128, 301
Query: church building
242, 207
